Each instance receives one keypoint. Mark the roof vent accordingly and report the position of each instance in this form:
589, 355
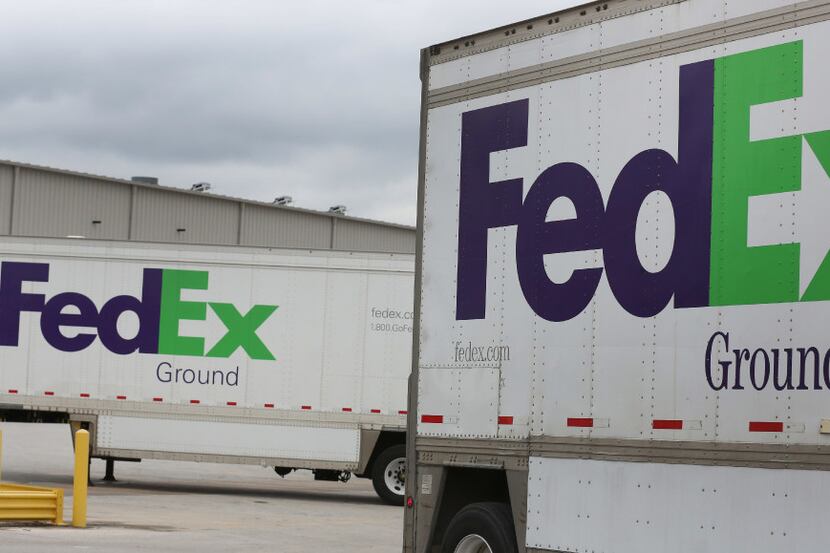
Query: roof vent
146, 180
338, 209
283, 200
200, 187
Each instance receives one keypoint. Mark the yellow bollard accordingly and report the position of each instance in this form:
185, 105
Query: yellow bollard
79, 486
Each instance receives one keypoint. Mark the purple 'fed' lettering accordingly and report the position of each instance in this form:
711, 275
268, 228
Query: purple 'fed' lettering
687, 183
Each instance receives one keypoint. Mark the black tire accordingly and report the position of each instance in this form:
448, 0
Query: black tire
393, 495
492, 522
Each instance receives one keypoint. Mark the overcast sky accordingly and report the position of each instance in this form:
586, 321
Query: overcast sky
317, 100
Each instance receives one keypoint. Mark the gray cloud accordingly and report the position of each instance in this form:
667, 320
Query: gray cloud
314, 99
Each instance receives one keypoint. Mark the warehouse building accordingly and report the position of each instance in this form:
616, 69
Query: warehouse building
42, 201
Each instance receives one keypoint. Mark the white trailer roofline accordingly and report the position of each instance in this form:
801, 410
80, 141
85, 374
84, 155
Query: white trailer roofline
568, 19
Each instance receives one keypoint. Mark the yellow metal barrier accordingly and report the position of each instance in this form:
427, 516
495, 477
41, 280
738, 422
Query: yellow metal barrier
79, 485
18, 502
30, 503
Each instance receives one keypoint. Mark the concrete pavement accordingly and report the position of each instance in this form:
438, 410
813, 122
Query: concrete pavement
193, 507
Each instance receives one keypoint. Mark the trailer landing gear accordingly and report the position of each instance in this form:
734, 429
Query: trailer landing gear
109, 476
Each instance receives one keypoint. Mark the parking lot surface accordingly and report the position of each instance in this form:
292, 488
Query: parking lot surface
172, 506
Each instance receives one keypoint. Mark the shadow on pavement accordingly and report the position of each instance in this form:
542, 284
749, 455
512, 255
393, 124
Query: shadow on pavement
205, 488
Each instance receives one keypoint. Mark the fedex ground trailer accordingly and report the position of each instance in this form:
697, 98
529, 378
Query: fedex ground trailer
289, 358
623, 283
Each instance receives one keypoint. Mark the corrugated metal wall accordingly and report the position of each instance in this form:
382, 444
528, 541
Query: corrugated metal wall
51, 204
38, 201
353, 235
296, 230
6, 176
164, 216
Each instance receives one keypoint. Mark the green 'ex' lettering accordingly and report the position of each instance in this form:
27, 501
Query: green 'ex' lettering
242, 331
740, 274
742, 168
819, 288
174, 310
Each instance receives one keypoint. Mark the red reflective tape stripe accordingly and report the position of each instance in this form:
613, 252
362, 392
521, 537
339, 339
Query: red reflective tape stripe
269, 405
507, 421
306, 407
231, 403
195, 401
158, 399
120, 397
48, 393
764, 426
403, 412
375, 411
432, 419
667, 424
12, 391
347, 409
580, 422
84, 395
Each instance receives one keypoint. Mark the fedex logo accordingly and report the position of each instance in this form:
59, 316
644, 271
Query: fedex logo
160, 309
719, 174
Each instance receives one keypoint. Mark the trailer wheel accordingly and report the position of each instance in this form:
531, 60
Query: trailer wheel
389, 474
481, 528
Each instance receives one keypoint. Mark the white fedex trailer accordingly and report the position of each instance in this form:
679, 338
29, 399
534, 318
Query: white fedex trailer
284, 358
623, 283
